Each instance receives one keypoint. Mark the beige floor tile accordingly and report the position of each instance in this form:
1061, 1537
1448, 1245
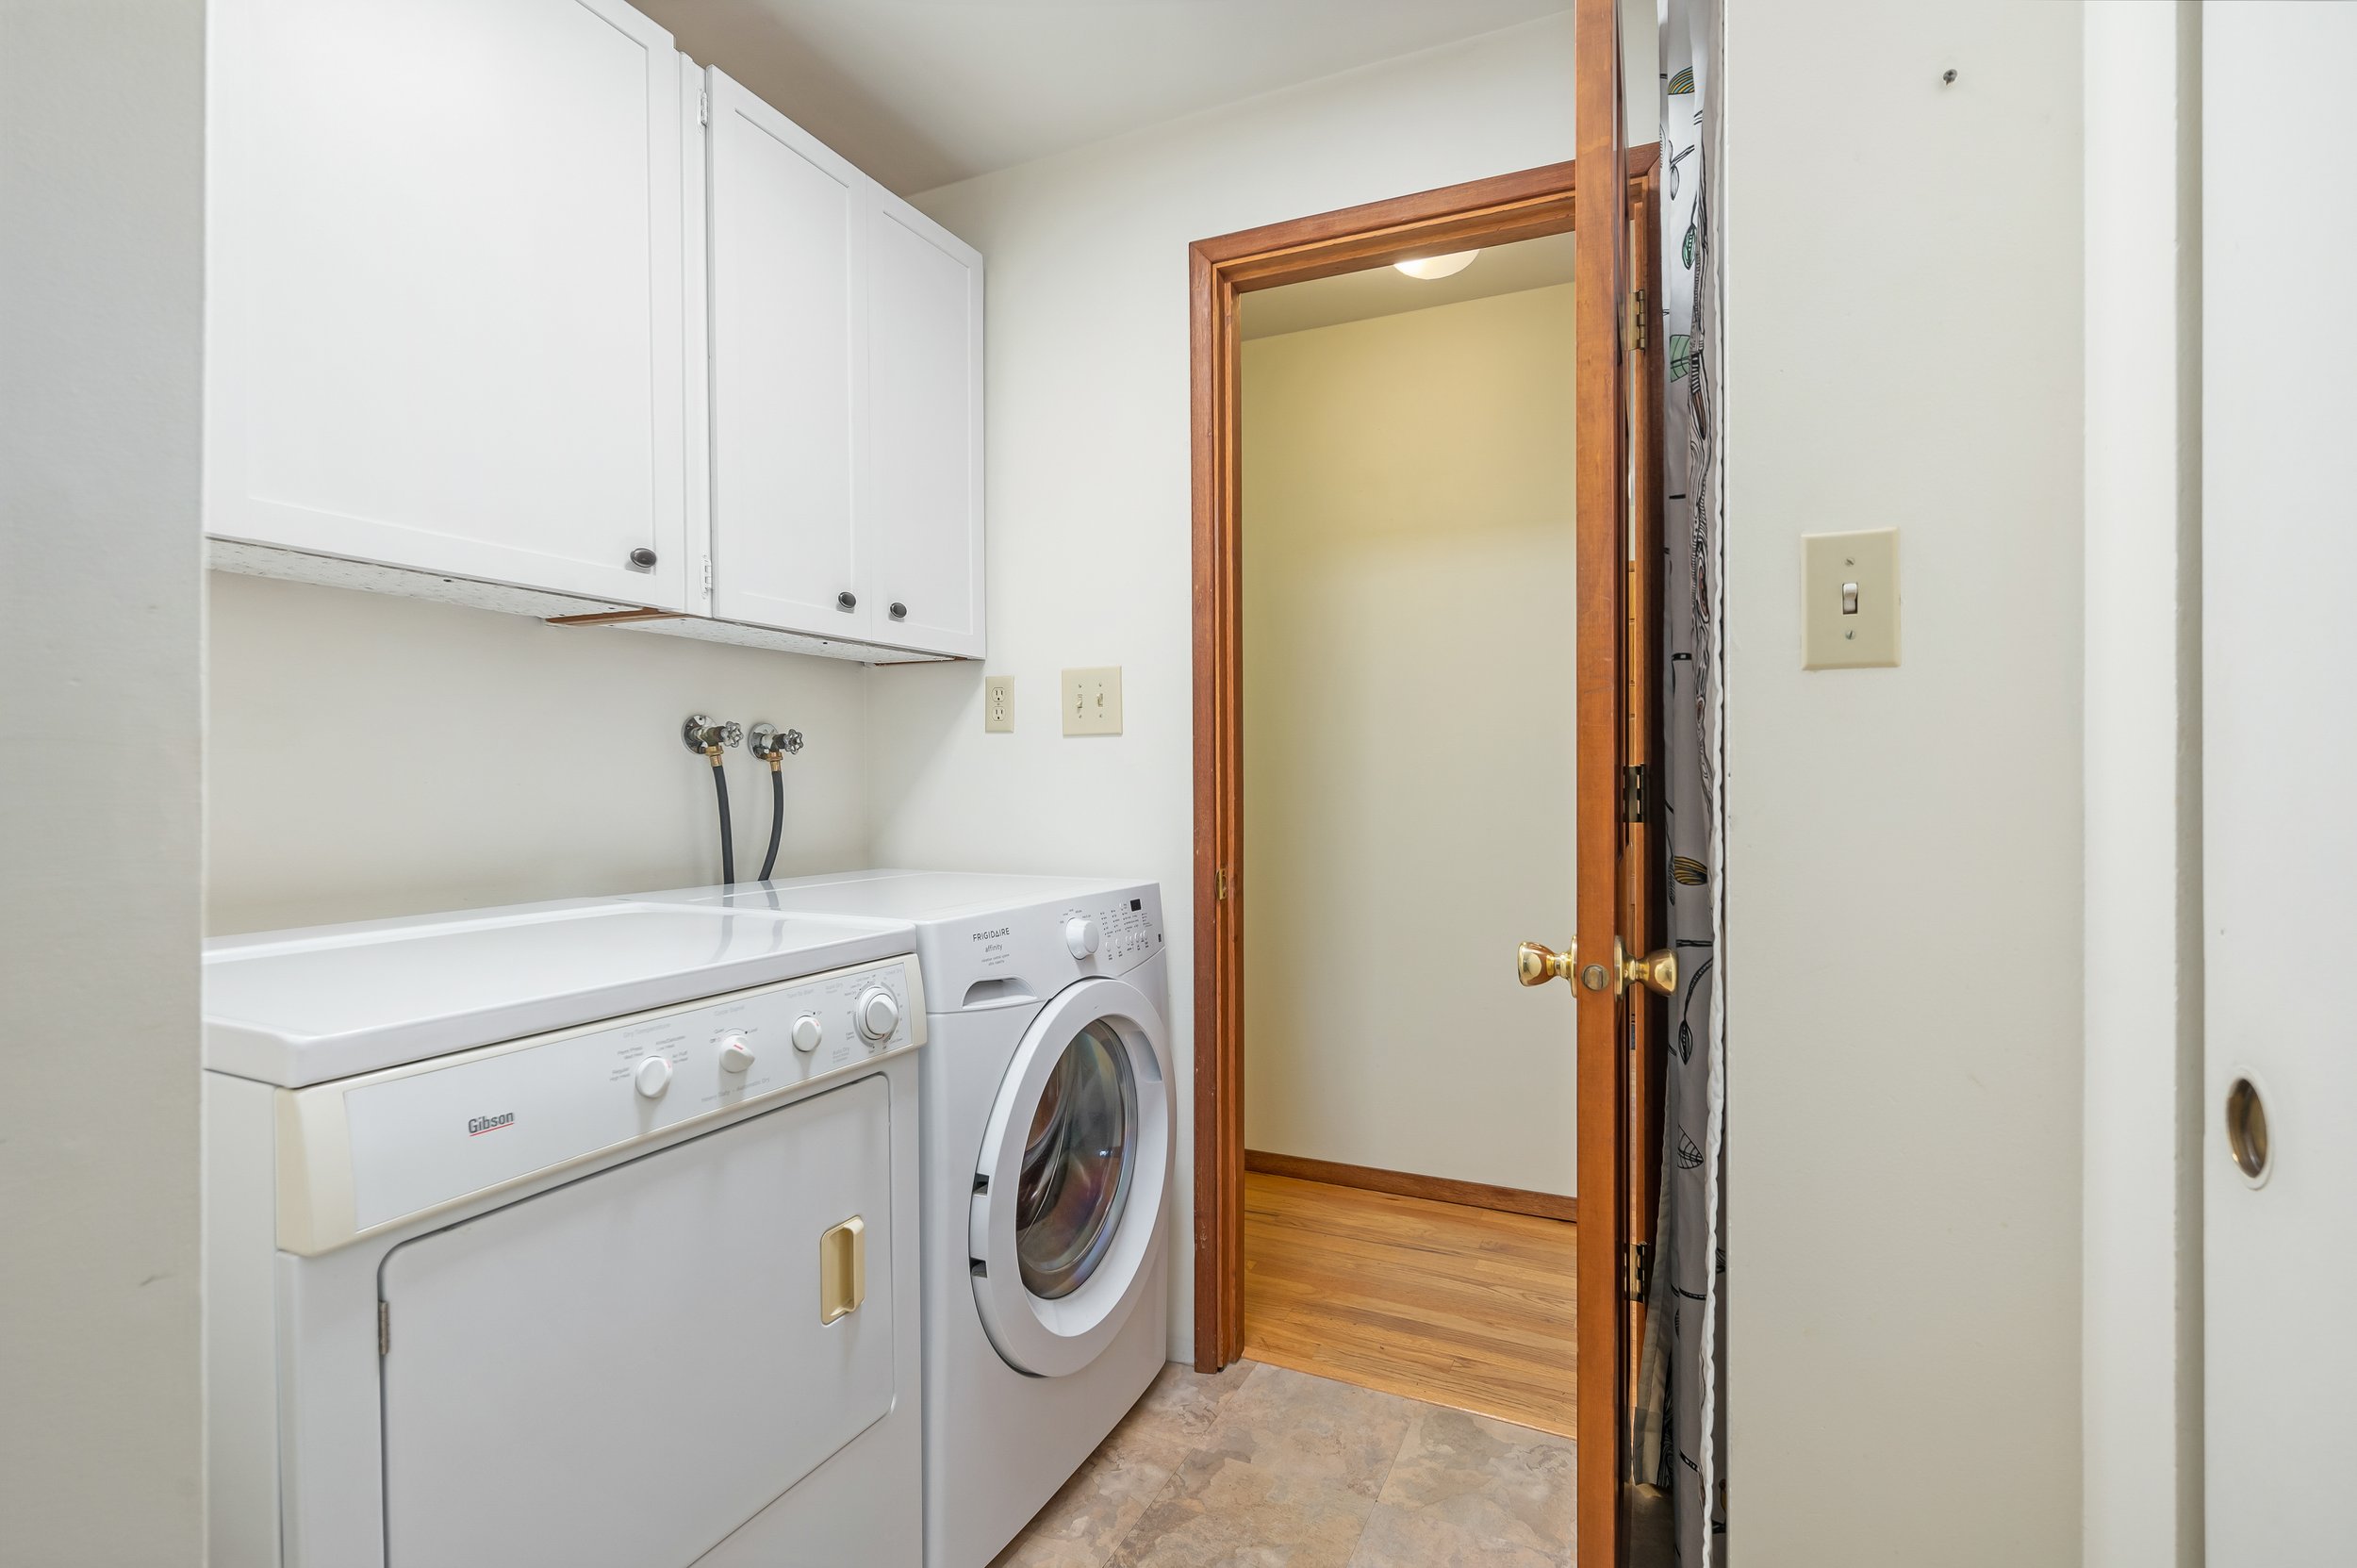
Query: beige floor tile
1221, 1512
1512, 1486
1183, 1403
1096, 1508
1295, 1425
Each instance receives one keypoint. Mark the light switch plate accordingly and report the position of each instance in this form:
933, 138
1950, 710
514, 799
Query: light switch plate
1092, 701
998, 704
1850, 599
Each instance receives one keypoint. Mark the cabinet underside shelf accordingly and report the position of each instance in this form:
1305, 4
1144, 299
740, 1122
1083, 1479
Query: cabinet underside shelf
295, 565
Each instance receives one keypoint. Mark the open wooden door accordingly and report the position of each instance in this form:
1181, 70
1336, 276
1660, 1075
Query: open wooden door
1613, 968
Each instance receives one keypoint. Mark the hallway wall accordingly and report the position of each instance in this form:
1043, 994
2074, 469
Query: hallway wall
1901, 347
1407, 567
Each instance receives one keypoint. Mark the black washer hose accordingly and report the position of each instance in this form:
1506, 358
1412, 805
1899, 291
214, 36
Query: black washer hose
777, 818
728, 838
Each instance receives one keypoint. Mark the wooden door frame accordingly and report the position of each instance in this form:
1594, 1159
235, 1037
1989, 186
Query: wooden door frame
1528, 205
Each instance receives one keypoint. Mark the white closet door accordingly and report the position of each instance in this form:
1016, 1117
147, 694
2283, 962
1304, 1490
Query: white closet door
618, 1373
445, 327
788, 369
2279, 560
922, 505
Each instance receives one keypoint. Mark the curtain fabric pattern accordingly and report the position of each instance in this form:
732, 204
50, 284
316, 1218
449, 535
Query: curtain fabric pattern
1681, 1434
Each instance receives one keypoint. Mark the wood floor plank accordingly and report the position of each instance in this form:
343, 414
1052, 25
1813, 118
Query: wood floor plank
1470, 1308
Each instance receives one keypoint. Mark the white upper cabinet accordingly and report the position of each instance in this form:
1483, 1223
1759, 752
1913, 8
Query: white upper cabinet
789, 358
921, 505
846, 396
445, 321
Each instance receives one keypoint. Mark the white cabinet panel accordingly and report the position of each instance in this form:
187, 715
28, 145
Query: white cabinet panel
446, 329
921, 507
789, 348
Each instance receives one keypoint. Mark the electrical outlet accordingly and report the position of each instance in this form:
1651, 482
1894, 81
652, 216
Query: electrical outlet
1092, 701
998, 704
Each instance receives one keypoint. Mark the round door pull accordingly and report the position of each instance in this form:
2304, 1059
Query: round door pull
847, 599
642, 558
899, 611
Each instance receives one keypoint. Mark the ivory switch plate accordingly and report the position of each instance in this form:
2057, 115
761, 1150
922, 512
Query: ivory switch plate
998, 704
1092, 701
1850, 604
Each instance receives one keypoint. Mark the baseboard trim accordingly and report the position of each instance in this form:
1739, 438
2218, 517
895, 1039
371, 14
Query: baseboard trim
1400, 1183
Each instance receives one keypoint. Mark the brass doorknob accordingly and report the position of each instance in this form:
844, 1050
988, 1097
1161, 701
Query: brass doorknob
1536, 966
1657, 970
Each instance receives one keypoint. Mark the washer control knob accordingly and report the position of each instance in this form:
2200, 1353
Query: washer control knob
1079, 935
807, 1033
879, 1013
736, 1055
652, 1077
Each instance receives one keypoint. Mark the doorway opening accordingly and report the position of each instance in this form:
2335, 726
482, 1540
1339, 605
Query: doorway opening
1615, 612
1407, 474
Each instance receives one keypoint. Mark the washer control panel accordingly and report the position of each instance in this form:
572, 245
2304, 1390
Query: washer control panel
363, 1153
1111, 936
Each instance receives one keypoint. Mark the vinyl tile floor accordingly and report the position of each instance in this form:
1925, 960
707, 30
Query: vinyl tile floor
1262, 1466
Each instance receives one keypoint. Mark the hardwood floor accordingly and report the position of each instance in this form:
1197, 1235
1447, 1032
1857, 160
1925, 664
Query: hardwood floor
1469, 1308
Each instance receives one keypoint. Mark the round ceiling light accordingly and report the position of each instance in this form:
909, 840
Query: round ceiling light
1437, 266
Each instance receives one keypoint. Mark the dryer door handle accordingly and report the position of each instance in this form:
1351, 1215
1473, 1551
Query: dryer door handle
841, 1269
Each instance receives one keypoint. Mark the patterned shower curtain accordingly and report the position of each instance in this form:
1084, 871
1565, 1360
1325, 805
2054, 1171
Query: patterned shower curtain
1681, 1436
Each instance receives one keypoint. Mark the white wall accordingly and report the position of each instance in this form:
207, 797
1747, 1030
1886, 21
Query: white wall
2141, 1334
1902, 346
1408, 498
369, 756
101, 117
1087, 447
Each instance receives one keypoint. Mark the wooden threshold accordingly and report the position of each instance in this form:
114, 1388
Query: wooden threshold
1400, 1183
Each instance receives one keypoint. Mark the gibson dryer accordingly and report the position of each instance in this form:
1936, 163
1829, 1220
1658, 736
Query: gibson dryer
1046, 1113
579, 1235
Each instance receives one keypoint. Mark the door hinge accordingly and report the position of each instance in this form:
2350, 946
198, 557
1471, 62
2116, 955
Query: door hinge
1633, 802
704, 105
1640, 1271
1637, 335
384, 1327
1223, 883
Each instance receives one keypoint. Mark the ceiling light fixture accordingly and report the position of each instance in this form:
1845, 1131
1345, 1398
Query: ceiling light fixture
1437, 266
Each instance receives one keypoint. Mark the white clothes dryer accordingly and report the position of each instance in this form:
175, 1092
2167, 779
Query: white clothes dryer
1049, 1115
573, 1235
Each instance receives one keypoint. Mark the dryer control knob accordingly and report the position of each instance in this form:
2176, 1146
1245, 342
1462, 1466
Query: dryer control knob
1079, 935
807, 1033
879, 1013
652, 1077
736, 1055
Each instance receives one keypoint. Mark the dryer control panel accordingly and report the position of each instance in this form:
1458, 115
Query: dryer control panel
363, 1154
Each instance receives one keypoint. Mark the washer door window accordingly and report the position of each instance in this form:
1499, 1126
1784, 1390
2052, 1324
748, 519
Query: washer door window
1072, 1180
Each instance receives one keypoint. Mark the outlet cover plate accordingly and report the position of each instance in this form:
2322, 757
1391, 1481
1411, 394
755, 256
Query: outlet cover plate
1834, 637
998, 704
1092, 701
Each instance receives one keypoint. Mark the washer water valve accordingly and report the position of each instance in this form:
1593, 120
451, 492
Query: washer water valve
706, 737
772, 745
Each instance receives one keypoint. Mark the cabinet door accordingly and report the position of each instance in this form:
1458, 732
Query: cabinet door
921, 506
445, 327
789, 331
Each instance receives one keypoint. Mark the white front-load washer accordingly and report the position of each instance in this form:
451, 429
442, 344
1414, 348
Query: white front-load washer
575, 1234
1048, 1117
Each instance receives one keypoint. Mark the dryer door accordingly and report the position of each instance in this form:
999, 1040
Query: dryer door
1073, 1179
623, 1370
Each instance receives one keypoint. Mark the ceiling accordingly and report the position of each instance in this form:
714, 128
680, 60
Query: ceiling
1388, 291
923, 92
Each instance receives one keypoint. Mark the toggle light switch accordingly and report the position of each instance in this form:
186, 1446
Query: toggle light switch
1850, 606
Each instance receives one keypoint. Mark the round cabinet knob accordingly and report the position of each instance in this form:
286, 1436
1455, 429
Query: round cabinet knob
652, 1077
1081, 937
642, 558
736, 1055
847, 599
899, 611
879, 1013
807, 1033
